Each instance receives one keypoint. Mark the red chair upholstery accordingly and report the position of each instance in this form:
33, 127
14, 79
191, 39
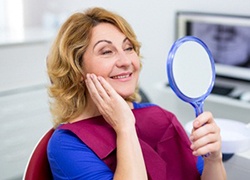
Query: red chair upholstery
38, 166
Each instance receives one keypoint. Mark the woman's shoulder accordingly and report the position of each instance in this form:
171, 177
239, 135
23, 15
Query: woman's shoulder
81, 161
63, 138
60, 134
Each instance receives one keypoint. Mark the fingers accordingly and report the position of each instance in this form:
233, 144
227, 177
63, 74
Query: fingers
110, 104
206, 144
205, 136
202, 119
99, 85
105, 86
95, 89
100, 92
204, 130
99, 89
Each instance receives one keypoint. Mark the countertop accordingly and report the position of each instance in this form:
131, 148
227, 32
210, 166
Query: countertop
245, 154
26, 35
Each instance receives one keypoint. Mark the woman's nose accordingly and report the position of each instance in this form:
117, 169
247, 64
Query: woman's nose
123, 59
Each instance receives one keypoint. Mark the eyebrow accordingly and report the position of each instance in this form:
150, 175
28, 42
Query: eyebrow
107, 41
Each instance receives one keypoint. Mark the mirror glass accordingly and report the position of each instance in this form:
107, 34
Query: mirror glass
192, 70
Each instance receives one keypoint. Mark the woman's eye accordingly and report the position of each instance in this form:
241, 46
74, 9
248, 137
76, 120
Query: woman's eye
129, 48
106, 52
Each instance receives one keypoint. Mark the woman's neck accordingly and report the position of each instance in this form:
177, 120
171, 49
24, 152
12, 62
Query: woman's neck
89, 111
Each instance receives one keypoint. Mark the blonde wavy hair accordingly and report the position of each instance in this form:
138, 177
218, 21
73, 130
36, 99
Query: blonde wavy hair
64, 62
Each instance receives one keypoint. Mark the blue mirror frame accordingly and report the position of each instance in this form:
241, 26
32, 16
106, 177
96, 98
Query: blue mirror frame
196, 102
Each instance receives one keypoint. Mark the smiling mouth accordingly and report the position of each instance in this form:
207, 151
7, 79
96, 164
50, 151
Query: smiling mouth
121, 76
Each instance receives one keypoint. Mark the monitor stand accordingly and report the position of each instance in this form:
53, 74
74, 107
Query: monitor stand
232, 88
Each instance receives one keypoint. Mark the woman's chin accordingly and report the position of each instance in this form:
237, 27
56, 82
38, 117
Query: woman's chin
125, 91
125, 95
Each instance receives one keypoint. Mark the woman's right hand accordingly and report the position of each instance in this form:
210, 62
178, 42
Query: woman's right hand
110, 104
116, 111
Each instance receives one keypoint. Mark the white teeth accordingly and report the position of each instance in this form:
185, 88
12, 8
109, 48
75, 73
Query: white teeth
120, 77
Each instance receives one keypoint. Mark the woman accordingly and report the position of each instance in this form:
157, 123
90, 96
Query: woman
102, 132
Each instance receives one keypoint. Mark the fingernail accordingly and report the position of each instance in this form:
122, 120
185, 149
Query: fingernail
192, 146
191, 138
196, 123
195, 153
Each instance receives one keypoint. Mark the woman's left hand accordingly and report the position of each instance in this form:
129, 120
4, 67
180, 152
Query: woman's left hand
205, 136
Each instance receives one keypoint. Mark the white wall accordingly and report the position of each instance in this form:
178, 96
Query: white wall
153, 21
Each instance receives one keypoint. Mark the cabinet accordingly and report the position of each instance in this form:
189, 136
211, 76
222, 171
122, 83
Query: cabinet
24, 112
220, 106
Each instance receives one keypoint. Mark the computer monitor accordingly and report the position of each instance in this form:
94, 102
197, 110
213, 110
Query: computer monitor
227, 37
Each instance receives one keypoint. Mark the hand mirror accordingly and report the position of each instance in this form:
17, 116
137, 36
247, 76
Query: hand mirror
191, 71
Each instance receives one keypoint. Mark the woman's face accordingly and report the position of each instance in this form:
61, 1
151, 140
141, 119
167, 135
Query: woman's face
111, 55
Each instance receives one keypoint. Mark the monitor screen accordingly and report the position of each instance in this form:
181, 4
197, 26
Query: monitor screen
227, 37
